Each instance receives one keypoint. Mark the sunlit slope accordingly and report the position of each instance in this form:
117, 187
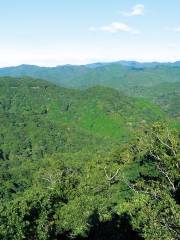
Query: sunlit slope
157, 82
100, 111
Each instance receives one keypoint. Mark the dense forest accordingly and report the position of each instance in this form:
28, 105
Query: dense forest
98, 161
159, 83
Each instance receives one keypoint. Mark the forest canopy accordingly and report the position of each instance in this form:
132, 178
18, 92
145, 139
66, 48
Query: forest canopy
65, 175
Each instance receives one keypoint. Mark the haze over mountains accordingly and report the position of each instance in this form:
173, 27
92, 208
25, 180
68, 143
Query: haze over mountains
158, 82
115, 74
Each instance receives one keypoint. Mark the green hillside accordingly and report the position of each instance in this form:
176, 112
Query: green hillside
166, 95
159, 83
112, 75
101, 111
84, 164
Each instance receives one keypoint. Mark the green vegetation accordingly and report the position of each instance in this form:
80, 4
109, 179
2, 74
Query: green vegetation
85, 164
159, 83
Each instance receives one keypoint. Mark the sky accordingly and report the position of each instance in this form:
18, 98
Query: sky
56, 32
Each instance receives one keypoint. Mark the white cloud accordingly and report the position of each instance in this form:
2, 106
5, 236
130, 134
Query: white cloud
116, 27
137, 10
177, 29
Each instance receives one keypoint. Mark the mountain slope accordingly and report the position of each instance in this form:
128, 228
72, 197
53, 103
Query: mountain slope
149, 80
67, 153
112, 75
101, 111
166, 95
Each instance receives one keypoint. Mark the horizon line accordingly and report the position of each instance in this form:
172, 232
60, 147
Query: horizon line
94, 62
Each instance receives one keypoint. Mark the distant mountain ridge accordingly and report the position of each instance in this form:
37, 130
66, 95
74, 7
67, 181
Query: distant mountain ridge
127, 63
113, 74
136, 64
149, 80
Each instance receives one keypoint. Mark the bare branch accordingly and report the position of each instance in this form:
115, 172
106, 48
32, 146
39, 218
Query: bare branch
132, 187
165, 144
163, 171
155, 156
167, 176
53, 178
110, 178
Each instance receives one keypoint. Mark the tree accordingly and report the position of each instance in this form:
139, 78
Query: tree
154, 210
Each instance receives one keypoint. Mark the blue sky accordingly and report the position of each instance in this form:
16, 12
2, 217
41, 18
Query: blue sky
54, 32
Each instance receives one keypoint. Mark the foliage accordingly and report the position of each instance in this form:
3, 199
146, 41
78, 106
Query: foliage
157, 82
85, 164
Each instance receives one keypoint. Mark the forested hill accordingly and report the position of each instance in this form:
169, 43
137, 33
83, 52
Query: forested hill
86, 164
86, 109
131, 78
112, 75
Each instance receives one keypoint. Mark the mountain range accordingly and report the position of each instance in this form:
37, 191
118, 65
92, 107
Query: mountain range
157, 82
